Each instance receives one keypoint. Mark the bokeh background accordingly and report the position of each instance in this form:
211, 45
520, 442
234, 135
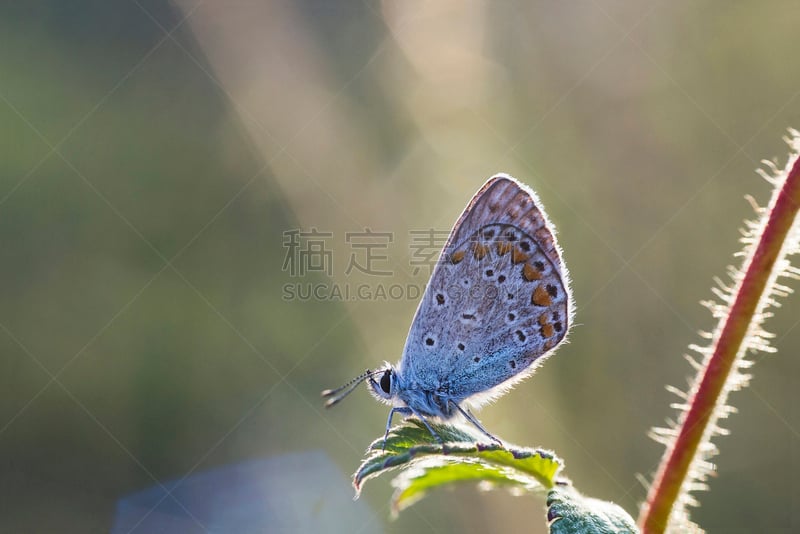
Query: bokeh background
156, 155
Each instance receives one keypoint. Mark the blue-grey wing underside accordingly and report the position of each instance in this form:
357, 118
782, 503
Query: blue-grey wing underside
497, 302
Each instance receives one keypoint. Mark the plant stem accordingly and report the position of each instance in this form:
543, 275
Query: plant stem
728, 343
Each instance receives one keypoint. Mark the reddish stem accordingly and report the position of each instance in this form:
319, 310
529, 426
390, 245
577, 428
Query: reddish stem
729, 338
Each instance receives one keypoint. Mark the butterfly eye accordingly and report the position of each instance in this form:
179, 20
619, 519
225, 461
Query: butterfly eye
386, 381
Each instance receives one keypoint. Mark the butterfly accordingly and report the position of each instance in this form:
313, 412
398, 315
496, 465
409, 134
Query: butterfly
497, 303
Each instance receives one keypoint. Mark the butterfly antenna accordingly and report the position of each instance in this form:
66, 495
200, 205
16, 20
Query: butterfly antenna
336, 395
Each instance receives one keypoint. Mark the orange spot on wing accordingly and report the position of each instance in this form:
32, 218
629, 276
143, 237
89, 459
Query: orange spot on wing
543, 319
547, 330
503, 247
541, 297
457, 256
530, 272
480, 250
517, 256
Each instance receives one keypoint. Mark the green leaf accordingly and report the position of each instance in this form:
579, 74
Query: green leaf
414, 483
464, 456
569, 512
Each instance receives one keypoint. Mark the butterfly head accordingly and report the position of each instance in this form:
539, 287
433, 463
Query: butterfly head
383, 385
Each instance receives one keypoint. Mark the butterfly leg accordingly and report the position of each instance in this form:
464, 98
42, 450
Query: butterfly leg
405, 410
429, 427
474, 420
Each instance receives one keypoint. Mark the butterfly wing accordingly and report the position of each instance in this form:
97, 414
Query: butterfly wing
497, 302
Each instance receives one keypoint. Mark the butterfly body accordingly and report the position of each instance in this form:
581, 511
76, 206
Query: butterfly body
496, 306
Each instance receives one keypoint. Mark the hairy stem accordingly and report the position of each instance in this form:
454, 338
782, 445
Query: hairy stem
729, 340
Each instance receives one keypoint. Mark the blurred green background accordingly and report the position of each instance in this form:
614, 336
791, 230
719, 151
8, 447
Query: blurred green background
154, 155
